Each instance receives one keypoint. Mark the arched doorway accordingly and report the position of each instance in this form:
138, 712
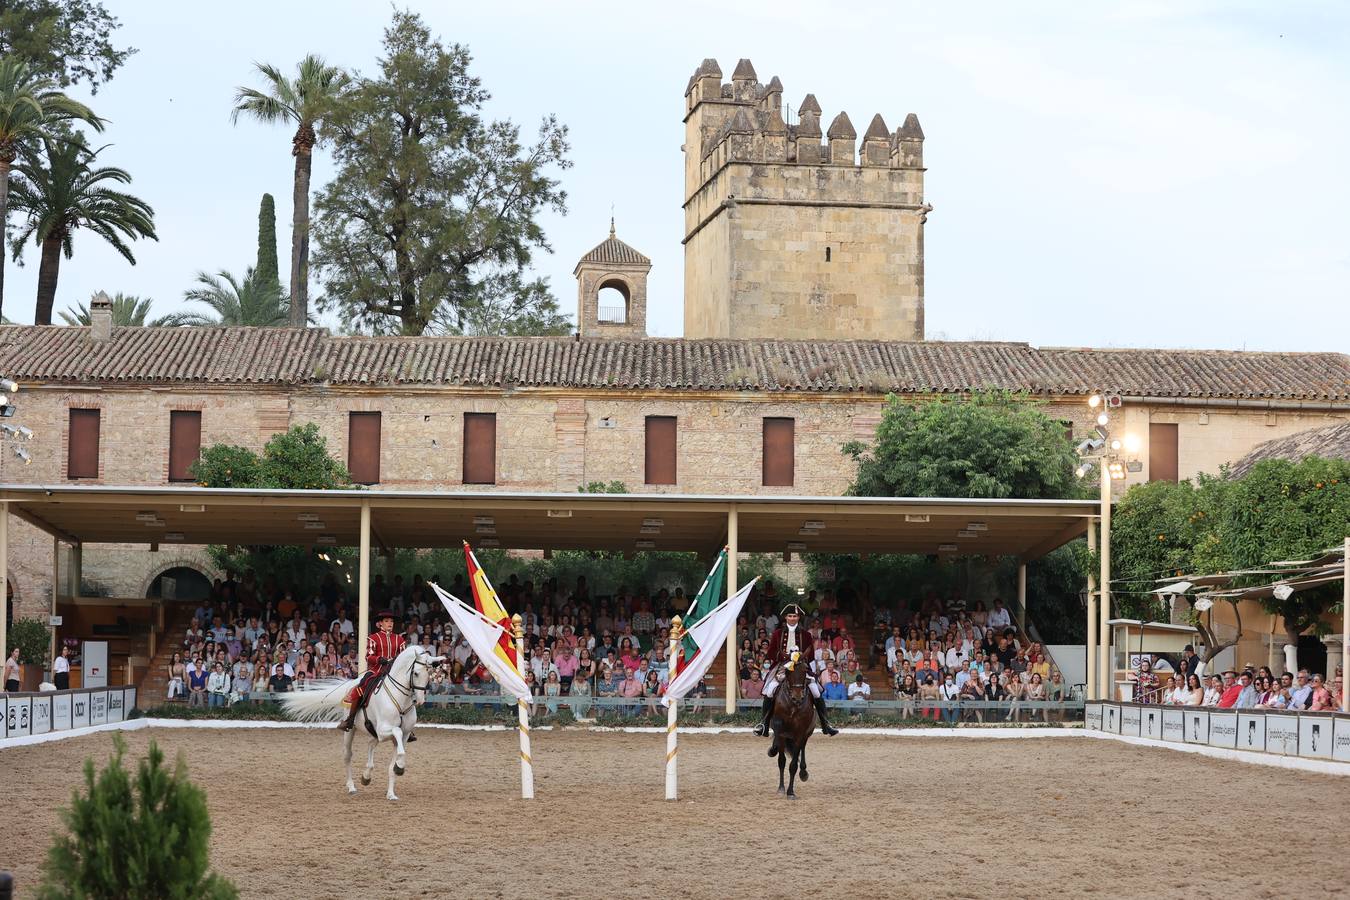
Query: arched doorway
188, 583
611, 301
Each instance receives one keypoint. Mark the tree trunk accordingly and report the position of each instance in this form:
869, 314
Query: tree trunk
6, 160
48, 272
300, 238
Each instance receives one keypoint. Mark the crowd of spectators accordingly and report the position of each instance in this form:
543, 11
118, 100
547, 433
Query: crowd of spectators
1155, 680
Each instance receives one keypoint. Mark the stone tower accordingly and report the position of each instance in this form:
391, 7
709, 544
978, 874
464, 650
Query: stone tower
789, 237
612, 264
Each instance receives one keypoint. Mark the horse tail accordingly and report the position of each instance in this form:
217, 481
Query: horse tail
319, 702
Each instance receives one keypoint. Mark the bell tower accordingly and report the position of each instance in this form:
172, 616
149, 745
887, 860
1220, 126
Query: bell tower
612, 290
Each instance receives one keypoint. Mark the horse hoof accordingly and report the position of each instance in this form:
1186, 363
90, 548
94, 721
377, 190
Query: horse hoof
391, 797
365, 779
351, 789
782, 790
773, 751
802, 775
791, 796
399, 770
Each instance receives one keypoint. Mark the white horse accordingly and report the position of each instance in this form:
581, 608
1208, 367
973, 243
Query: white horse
389, 715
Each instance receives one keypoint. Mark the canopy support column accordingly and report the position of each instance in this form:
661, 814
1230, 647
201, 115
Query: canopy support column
1104, 611
4, 577
363, 591
1092, 620
733, 550
1021, 597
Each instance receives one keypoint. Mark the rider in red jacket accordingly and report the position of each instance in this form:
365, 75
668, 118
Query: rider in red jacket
381, 648
791, 636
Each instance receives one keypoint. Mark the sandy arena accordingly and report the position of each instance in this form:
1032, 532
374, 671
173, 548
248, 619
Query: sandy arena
892, 817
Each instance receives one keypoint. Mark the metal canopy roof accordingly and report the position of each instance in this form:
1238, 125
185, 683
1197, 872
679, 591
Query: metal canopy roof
555, 521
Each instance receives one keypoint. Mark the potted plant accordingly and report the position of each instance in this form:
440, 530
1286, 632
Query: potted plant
33, 640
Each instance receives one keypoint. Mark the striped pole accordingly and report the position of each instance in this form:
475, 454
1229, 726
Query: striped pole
523, 711
672, 711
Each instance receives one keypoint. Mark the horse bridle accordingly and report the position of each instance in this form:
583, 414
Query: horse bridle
411, 688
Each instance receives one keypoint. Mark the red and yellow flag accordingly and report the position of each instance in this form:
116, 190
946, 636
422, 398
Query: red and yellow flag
486, 602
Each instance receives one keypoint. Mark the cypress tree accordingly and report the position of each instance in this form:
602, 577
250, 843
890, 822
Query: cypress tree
142, 837
267, 241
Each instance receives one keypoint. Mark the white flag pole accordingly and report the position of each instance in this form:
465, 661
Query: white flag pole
672, 712
523, 710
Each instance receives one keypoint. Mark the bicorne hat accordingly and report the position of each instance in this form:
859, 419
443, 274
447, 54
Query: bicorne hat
793, 608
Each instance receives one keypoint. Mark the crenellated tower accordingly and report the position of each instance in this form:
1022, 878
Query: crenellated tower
791, 232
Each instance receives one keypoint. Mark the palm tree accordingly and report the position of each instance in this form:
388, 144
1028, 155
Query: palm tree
126, 310
29, 103
304, 101
67, 194
254, 300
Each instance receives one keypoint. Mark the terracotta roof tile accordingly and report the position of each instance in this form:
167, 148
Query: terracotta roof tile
612, 251
1331, 442
286, 356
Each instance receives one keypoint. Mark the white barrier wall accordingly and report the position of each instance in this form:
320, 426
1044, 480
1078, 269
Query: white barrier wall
1312, 735
27, 714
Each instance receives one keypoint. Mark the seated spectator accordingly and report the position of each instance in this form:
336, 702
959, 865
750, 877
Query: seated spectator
218, 686
240, 686
631, 689
952, 694
1321, 696
1169, 693
580, 694
197, 676
1195, 692
1301, 695
752, 686
929, 693
1036, 692
833, 688
859, 690
1013, 691
552, 690
281, 681
652, 689
999, 617
907, 691
1213, 693
1232, 689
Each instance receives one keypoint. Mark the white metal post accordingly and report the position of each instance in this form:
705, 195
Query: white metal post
363, 591
1104, 610
56, 589
733, 543
672, 712
523, 714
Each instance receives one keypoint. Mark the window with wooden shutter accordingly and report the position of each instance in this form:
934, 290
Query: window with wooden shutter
363, 447
82, 450
660, 450
480, 448
1162, 452
185, 442
779, 452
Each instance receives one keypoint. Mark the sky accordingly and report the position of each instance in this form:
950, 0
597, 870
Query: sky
1150, 174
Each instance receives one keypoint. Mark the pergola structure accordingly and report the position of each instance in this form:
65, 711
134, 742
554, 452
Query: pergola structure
391, 519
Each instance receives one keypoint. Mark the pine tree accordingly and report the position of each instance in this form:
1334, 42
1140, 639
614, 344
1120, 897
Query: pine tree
267, 241
147, 838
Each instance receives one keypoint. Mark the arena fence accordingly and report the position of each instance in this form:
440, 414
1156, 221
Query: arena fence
25, 714
1314, 735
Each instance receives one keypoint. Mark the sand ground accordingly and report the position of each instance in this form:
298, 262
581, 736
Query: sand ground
880, 817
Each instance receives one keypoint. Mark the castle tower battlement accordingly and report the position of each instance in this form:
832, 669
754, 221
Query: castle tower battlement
792, 231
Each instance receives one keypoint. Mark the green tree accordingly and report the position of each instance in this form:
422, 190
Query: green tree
30, 104
993, 445
299, 459
65, 193
430, 221
33, 639
126, 310
69, 41
267, 241
248, 301
304, 102
150, 837
227, 466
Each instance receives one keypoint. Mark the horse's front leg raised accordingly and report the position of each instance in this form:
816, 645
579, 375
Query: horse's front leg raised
347, 759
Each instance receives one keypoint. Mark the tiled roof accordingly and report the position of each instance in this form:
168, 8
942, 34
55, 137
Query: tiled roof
283, 355
613, 251
1332, 442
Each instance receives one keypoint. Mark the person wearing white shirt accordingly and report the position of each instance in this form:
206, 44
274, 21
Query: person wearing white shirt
218, 686
859, 690
953, 657
344, 624
295, 632
999, 617
61, 670
892, 663
950, 692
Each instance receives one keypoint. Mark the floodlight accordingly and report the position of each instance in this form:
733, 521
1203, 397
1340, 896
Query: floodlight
1284, 591
9, 385
1132, 443
1095, 401
1103, 418
6, 410
1203, 604
1115, 445
23, 455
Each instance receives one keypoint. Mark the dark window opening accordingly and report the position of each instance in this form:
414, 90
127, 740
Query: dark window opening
82, 449
185, 442
363, 447
660, 453
1162, 452
779, 452
827, 254
480, 448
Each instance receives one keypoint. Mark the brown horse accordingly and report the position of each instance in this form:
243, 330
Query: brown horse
793, 721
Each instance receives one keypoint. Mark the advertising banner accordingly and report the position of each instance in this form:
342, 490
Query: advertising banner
42, 714
19, 717
1197, 725
4, 716
1282, 734
1173, 725
1092, 716
1112, 713
61, 712
98, 707
1314, 735
1130, 717
1223, 729
116, 698
1150, 725
79, 710
1341, 748
1251, 732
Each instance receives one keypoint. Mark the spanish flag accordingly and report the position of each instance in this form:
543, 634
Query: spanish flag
486, 602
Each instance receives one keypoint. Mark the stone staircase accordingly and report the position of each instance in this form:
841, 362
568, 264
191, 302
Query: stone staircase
154, 684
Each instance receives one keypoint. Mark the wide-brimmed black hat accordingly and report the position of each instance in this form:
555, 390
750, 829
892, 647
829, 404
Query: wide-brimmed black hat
792, 608
385, 614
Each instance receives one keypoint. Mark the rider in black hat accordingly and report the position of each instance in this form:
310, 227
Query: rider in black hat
788, 637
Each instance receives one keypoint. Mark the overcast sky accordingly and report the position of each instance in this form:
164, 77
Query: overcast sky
1164, 174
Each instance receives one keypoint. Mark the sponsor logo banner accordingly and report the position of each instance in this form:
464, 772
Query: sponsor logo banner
79, 710
1173, 725
1314, 736
1251, 732
1197, 725
19, 717
1282, 734
115, 700
1130, 717
1112, 713
1150, 723
42, 715
1223, 730
1341, 747
98, 707
61, 712
1092, 716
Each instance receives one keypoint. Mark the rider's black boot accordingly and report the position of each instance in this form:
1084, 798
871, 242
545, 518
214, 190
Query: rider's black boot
346, 724
763, 727
824, 723
411, 738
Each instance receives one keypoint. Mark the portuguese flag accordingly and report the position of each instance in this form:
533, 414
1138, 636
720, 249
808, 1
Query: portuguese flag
709, 596
486, 602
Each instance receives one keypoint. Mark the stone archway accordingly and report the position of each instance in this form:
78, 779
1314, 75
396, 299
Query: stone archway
184, 567
613, 300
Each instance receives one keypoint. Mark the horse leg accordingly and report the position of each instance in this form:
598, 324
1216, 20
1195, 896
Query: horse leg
370, 758
802, 754
396, 764
792, 773
347, 759
782, 763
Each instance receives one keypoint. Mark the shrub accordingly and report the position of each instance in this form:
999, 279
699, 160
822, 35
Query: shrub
147, 840
32, 638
